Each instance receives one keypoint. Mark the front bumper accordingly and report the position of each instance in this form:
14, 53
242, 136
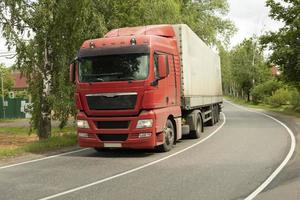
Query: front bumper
131, 141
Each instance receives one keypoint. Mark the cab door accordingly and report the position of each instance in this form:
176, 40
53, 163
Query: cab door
171, 92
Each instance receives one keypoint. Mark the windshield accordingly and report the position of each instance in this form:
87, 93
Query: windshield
114, 68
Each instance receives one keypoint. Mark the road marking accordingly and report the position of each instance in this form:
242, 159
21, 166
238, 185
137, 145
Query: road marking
137, 168
284, 162
41, 159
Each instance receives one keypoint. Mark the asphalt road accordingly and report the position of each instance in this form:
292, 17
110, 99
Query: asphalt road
238, 154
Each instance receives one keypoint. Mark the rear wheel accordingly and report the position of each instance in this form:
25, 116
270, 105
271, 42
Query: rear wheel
169, 137
198, 129
217, 113
212, 121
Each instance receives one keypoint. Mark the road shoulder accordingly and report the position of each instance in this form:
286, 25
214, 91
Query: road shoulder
287, 184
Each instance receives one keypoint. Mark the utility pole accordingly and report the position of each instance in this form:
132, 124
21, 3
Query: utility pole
2, 89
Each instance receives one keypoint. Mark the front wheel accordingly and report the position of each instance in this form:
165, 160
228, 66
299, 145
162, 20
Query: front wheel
169, 137
197, 132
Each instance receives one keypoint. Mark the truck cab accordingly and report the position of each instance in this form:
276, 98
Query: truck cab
128, 89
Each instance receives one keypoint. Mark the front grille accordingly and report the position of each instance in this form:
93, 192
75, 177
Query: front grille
112, 137
122, 101
112, 124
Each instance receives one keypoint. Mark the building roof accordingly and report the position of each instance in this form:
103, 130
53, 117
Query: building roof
20, 82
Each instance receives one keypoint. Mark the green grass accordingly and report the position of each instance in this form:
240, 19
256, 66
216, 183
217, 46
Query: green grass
286, 109
14, 130
12, 119
60, 138
53, 143
25, 130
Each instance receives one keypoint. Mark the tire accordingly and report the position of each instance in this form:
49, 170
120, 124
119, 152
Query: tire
199, 126
212, 121
217, 114
169, 134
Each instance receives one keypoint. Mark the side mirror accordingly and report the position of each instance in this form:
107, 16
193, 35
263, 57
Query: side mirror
163, 68
72, 72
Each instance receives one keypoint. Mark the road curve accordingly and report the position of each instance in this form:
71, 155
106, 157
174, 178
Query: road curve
230, 164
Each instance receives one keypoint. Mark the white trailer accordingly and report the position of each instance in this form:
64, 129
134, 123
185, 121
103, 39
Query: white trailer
201, 85
200, 70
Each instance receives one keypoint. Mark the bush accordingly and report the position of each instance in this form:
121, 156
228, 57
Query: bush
260, 92
295, 100
280, 97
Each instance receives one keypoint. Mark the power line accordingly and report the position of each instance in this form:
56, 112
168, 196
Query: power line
7, 55
7, 52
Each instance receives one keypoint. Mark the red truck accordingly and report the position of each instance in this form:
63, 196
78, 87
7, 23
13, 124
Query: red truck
144, 87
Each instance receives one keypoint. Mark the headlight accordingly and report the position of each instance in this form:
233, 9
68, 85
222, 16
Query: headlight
144, 123
83, 135
82, 124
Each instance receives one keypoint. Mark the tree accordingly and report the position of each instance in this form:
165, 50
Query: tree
55, 30
247, 67
285, 43
47, 34
7, 81
122, 13
206, 18
226, 71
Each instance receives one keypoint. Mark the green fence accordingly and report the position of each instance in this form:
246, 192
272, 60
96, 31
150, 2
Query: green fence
14, 108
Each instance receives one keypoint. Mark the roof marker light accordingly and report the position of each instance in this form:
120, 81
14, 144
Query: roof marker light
92, 45
133, 41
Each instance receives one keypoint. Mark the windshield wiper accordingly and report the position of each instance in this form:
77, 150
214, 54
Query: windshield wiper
111, 74
130, 78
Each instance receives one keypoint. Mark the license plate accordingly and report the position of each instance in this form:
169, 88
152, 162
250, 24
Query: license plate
113, 145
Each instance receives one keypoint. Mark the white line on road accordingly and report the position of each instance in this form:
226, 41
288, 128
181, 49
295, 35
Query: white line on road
137, 168
284, 162
40, 159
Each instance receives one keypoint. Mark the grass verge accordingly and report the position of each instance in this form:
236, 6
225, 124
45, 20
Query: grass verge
286, 109
17, 141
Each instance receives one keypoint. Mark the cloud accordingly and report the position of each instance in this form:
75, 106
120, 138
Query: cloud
251, 18
7, 62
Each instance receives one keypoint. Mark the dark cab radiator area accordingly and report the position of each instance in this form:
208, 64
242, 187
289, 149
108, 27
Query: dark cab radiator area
113, 101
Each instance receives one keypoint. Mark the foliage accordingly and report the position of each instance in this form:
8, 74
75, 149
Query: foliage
295, 100
265, 89
247, 67
47, 34
122, 13
7, 81
56, 29
285, 43
205, 18
21, 94
225, 69
280, 97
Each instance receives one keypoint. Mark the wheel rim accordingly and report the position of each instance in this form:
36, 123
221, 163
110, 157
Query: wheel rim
169, 134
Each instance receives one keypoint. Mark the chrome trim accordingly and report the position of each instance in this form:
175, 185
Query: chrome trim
111, 94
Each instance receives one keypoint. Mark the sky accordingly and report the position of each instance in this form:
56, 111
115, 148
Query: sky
249, 16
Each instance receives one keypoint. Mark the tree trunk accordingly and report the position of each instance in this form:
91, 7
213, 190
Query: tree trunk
44, 128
